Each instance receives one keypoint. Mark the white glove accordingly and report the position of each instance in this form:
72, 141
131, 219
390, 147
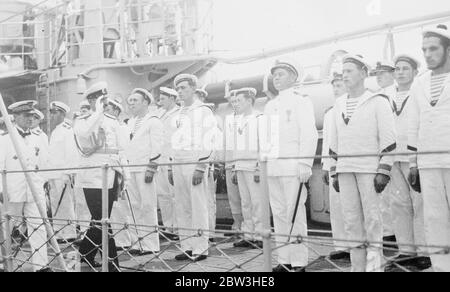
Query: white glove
304, 173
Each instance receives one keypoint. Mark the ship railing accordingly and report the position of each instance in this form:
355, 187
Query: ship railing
17, 231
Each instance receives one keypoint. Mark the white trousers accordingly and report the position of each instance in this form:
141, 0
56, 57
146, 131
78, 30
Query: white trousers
386, 212
81, 209
362, 219
283, 193
166, 198
407, 211
66, 210
234, 198
120, 216
144, 204
212, 207
37, 234
252, 208
436, 201
191, 203
337, 219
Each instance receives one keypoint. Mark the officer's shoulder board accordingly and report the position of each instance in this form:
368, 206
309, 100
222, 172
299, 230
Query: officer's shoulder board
110, 116
328, 109
84, 117
37, 132
67, 125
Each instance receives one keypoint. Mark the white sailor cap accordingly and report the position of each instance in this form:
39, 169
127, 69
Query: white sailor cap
85, 104
202, 92
440, 30
252, 92
22, 106
356, 59
384, 66
289, 64
409, 59
96, 90
38, 114
116, 102
168, 91
145, 94
185, 77
57, 105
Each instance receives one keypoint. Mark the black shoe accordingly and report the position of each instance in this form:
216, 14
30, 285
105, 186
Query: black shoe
147, 252
422, 263
282, 269
390, 242
45, 270
257, 244
168, 236
135, 252
339, 255
123, 248
65, 241
92, 264
230, 234
184, 256
77, 243
199, 258
298, 269
242, 244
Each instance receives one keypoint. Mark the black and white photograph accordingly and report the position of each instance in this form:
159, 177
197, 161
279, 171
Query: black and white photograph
227, 141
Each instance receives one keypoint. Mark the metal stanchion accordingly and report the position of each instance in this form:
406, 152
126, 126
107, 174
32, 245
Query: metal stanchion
7, 225
105, 220
267, 242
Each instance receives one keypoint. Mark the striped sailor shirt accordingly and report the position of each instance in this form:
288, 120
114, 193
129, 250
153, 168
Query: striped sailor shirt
352, 103
437, 84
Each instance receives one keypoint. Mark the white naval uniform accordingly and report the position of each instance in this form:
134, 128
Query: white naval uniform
196, 124
164, 190
336, 216
429, 130
292, 133
406, 204
370, 130
387, 194
234, 197
99, 137
144, 148
20, 198
247, 143
62, 154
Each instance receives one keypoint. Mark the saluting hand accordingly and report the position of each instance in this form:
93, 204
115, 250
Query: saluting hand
197, 178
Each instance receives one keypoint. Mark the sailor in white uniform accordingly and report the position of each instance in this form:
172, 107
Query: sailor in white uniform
63, 154
363, 123
164, 180
247, 169
429, 130
384, 72
293, 134
336, 216
20, 198
191, 144
145, 148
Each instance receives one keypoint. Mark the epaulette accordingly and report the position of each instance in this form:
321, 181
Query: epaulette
37, 131
328, 109
86, 116
67, 125
110, 116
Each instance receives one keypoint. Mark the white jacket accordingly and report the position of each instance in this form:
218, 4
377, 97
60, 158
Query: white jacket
246, 147
371, 130
192, 141
101, 140
146, 144
62, 150
429, 127
327, 120
168, 119
290, 132
35, 158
